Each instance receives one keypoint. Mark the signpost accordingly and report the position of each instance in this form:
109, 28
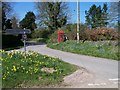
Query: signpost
24, 38
19, 31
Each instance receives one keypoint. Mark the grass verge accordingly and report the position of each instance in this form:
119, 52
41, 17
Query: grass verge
103, 49
33, 69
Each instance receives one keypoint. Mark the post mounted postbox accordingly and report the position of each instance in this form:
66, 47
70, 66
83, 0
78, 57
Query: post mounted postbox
60, 36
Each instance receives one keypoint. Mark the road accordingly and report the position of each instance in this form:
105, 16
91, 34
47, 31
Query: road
104, 71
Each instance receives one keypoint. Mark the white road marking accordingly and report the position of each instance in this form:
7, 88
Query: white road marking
96, 84
115, 79
103, 84
90, 84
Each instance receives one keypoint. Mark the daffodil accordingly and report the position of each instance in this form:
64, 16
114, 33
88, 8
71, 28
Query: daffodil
14, 69
1, 58
3, 78
26, 72
11, 56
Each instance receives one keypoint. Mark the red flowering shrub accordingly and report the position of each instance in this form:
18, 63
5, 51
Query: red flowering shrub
102, 34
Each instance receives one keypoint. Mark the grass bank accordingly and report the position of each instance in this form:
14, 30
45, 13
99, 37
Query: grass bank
33, 69
103, 49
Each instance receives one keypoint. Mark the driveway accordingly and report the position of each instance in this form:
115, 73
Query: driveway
103, 71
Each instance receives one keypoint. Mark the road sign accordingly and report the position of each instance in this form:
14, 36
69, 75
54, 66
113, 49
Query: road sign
24, 36
18, 31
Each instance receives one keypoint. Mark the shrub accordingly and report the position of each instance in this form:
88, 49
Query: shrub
9, 41
70, 31
102, 33
53, 38
42, 33
43, 40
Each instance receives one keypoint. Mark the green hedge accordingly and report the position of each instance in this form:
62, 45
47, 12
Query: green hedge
10, 41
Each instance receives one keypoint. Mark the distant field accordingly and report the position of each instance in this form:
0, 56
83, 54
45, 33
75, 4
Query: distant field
103, 49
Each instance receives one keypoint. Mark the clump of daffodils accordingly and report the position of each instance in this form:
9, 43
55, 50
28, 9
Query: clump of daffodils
29, 63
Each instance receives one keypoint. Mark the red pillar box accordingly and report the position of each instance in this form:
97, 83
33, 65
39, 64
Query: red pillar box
60, 36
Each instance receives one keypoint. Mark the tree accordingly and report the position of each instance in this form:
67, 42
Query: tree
28, 21
8, 24
104, 16
114, 14
52, 14
6, 9
14, 21
97, 17
0, 15
91, 16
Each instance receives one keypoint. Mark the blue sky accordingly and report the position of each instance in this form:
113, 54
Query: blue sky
21, 8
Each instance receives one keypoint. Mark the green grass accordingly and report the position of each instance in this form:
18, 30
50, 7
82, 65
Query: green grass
19, 70
103, 49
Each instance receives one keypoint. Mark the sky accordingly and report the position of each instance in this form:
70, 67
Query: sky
21, 8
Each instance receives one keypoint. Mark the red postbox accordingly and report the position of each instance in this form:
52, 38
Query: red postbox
60, 36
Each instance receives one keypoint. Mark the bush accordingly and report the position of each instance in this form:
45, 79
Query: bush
70, 31
43, 40
9, 41
42, 33
53, 38
102, 33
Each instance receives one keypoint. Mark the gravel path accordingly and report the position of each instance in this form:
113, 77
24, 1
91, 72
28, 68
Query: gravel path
98, 72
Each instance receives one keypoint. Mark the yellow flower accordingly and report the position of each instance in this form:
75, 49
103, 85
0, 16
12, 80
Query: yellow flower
8, 53
8, 72
11, 56
2, 50
14, 69
25, 57
26, 71
1, 58
3, 78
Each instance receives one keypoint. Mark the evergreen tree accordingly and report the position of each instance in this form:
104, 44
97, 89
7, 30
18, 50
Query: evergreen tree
97, 17
91, 16
104, 15
29, 21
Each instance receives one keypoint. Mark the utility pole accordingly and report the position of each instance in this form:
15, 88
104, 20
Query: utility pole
78, 21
